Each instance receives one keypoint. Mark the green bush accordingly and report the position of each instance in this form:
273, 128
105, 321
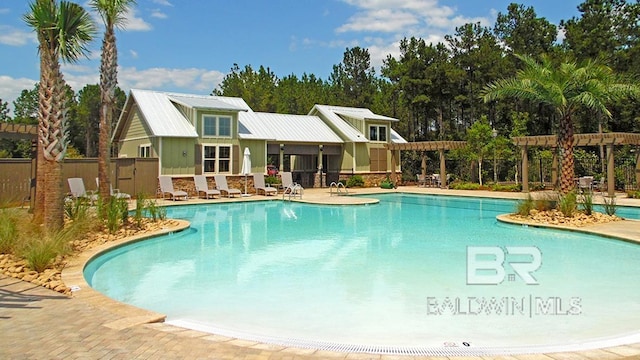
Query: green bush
464, 186
634, 194
355, 181
76, 208
138, 214
9, 219
116, 213
510, 188
567, 204
587, 202
525, 206
610, 206
271, 180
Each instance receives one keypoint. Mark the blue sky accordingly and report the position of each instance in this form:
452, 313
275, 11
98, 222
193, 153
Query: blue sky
189, 45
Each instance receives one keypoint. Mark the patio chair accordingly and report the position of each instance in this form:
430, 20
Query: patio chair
78, 191
289, 186
202, 187
221, 185
259, 185
422, 180
114, 192
166, 187
585, 183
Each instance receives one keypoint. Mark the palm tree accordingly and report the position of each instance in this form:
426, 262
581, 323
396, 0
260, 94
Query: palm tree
566, 88
113, 15
63, 31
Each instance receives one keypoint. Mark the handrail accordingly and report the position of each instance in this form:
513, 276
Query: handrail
293, 190
337, 185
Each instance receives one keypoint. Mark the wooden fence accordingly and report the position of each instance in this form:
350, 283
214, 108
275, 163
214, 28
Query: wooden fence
129, 175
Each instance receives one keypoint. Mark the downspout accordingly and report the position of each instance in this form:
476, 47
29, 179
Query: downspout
160, 156
353, 165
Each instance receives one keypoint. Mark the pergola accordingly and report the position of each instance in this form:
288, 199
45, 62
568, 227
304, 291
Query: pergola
605, 139
18, 131
440, 146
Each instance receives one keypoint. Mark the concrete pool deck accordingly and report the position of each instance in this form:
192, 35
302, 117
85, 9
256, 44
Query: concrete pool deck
37, 323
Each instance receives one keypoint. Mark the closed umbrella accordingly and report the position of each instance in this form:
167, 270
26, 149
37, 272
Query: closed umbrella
246, 168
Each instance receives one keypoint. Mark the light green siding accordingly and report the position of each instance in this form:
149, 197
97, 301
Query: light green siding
258, 151
177, 156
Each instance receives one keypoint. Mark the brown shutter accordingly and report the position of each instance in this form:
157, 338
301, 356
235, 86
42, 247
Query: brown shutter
235, 162
198, 159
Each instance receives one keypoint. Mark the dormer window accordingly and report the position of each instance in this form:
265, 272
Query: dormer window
378, 133
216, 126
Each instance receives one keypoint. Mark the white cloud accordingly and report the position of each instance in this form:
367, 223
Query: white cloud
163, 2
15, 37
163, 78
10, 88
133, 53
134, 23
4, 10
156, 13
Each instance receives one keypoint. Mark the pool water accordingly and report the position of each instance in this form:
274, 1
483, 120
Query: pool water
390, 274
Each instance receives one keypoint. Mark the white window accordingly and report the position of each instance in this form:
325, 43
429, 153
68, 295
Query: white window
377, 133
144, 151
216, 126
216, 159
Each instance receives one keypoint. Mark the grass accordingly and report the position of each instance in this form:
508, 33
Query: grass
610, 206
525, 206
567, 204
41, 249
587, 202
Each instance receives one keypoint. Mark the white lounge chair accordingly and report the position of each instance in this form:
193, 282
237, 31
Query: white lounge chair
78, 191
289, 186
221, 185
114, 192
259, 185
166, 187
202, 187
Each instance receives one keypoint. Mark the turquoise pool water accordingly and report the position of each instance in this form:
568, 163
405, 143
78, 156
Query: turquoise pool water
391, 274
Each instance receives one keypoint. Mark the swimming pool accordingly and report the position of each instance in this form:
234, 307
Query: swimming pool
379, 278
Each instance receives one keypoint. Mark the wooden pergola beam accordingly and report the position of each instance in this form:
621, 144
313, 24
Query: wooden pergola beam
18, 131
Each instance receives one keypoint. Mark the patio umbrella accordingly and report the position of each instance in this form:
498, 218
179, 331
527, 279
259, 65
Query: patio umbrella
246, 168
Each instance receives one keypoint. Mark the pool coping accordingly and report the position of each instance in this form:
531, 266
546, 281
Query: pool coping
126, 316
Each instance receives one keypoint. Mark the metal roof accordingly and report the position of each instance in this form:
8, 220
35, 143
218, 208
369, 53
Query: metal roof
396, 138
346, 130
288, 128
209, 102
161, 116
362, 114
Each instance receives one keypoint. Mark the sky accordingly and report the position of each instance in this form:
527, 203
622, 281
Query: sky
189, 45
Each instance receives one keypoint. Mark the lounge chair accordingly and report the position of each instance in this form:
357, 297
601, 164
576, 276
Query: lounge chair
259, 185
289, 186
221, 185
114, 192
166, 187
202, 187
78, 191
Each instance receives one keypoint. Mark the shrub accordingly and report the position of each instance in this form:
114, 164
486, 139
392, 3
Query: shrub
155, 212
634, 194
116, 212
76, 208
567, 204
545, 204
587, 202
355, 180
9, 219
510, 187
609, 205
138, 214
525, 206
271, 180
465, 186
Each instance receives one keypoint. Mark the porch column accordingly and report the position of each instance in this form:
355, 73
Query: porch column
637, 169
394, 178
423, 168
281, 166
554, 167
611, 180
525, 170
443, 170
